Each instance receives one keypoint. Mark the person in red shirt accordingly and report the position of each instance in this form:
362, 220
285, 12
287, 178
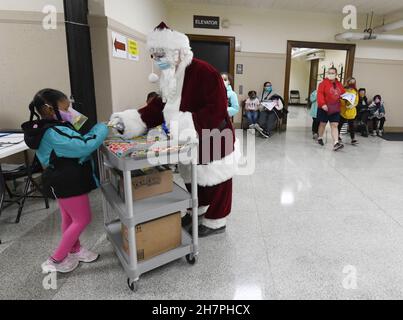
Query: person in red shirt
329, 96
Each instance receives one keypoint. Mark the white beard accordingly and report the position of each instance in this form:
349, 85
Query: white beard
168, 84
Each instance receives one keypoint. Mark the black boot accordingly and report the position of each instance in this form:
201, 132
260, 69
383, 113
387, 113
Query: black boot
207, 232
187, 221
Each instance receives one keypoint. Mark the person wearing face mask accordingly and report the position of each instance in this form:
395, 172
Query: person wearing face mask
348, 111
329, 106
252, 109
377, 115
233, 103
193, 99
69, 176
363, 112
271, 110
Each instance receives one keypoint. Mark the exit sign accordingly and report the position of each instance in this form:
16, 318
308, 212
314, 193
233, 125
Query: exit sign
205, 22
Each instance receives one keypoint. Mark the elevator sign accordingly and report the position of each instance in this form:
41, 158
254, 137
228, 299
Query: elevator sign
205, 22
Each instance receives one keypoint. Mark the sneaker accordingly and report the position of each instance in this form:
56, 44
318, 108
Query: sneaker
85, 256
320, 141
252, 126
373, 133
315, 136
264, 134
66, 266
258, 128
338, 146
354, 142
380, 133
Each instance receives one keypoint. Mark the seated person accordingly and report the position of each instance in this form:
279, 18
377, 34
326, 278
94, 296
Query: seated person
271, 110
252, 109
377, 115
363, 112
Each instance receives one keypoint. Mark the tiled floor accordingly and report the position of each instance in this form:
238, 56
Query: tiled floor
305, 215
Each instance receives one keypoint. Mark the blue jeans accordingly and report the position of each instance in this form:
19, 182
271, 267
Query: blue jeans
252, 116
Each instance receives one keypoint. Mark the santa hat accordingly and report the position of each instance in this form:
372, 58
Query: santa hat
166, 38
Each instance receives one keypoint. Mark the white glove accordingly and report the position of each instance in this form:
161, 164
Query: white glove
128, 124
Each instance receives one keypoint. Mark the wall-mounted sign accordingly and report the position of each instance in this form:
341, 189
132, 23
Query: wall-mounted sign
119, 45
239, 69
206, 22
133, 50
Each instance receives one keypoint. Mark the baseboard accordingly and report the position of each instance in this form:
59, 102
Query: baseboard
394, 129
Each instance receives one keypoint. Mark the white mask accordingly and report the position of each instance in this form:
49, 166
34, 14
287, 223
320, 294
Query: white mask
331, 77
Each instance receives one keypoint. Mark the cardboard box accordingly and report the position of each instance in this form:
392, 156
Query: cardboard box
146, 183
155, 237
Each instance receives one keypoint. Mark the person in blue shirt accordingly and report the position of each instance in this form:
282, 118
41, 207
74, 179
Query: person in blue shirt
314, 114
69, 177
233, 103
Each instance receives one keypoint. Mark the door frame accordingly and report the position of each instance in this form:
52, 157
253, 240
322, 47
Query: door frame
350, 48
222, 39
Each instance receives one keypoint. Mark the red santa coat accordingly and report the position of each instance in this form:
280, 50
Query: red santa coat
204, 96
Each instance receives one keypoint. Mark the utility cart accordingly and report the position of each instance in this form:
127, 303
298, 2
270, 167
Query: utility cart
132, 213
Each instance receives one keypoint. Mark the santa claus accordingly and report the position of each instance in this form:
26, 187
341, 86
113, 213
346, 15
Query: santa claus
194, 97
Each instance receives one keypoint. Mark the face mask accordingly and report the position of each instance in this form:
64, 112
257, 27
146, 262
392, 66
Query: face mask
227, 83
331, 77
268, 89
163, 64
74, 117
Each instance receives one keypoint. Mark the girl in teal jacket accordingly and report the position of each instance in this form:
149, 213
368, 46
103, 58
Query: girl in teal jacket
66, 155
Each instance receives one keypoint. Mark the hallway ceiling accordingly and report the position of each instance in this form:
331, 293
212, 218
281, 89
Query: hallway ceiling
328, 6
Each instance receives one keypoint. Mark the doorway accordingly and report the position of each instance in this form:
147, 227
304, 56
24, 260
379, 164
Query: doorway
219, 51
306, 66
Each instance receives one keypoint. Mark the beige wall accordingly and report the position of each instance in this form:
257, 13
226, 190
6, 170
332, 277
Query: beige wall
299, 76
140, 15
333, 57
30, 5
385, 78
265, 32
30, 59
119, 83
259, 68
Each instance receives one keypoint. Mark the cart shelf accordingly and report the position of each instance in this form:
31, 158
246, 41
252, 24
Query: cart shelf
148, 209
129, 164
132, 213
114, 234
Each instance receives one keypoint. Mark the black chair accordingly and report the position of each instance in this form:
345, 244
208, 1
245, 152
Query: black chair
295, 97
26, 172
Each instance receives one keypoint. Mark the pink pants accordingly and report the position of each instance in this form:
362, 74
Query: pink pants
76, 216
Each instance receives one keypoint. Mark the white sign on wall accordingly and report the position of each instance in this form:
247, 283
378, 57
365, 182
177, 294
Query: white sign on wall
119, 45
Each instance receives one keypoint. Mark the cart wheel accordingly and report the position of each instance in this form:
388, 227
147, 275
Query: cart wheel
133, 285
191, 259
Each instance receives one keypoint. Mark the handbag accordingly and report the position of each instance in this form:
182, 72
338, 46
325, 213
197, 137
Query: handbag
333, 108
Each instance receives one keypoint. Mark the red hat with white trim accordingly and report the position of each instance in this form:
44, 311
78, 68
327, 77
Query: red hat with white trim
164, 37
